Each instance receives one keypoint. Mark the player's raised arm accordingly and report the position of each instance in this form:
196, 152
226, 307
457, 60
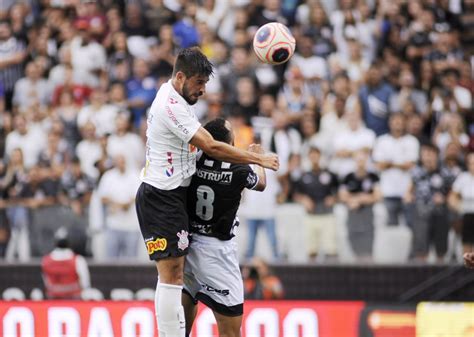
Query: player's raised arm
259, 170
227, 153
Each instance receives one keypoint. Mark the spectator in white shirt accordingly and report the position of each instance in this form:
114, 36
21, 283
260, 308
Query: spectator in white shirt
89, 151
395, 154
450, 129
88, 56
284, 141
101, 114
313, 67
25, 138
349, 141
126, 143
31, 89
450, 96
117, 189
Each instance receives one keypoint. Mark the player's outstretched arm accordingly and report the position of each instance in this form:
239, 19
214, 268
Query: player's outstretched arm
260, 171
225, 152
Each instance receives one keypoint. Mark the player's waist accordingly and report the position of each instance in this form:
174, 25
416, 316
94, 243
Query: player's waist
168, 180
201, 239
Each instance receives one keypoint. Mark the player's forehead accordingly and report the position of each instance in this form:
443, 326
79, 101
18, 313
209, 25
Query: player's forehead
199, 78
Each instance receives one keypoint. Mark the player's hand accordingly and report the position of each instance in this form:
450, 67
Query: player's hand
256, 148
469, 260
270, 161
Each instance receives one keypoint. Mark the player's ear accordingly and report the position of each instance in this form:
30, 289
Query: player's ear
181, 77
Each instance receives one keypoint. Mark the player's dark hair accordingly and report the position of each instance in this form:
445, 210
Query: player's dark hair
191, 62
218, 130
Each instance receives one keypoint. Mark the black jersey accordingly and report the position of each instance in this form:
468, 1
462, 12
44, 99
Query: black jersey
214, 196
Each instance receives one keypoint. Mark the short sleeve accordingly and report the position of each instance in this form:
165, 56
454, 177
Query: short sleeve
102, 189
413, 150
374, 177
247, 177
458, 184
379, 152
345, 181
252, 180
334, 181
179, 121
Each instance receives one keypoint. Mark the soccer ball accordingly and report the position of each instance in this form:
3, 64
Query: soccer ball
273, 43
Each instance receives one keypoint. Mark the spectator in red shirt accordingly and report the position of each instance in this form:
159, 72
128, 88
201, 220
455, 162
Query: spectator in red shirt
65, 274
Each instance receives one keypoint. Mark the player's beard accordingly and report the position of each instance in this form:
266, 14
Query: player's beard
191, 99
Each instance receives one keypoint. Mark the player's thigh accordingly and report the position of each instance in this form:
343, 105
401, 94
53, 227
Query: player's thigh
216, 269
191, 285
171, 270
228, 326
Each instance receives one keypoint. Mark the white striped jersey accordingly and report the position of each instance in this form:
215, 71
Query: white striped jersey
171, 123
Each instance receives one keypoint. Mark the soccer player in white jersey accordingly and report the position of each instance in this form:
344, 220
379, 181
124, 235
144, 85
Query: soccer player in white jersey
173, 136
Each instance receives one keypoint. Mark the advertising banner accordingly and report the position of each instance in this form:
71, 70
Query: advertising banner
445, 320
121, 319
378, 320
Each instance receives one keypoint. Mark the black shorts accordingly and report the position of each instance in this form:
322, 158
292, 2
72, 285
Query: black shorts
163, 221
468, 228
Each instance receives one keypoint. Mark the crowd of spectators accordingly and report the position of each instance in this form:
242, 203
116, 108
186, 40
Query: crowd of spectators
374, 108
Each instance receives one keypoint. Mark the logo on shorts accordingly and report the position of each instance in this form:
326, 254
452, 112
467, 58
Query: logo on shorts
183, 242
211, 289
156, 245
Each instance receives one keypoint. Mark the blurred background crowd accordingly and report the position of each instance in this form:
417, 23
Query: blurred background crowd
372, 119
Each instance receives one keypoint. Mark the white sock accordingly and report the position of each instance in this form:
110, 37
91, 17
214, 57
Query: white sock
169, 310
157, 291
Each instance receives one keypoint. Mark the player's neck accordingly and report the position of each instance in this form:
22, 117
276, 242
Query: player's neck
175, 84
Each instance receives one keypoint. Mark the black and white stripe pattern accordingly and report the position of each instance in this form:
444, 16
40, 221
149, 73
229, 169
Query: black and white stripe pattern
9, 75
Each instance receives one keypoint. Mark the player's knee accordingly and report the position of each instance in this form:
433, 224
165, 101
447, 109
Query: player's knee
229, 327
231, 332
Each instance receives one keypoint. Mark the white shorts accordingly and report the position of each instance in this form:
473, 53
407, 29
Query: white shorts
212, 275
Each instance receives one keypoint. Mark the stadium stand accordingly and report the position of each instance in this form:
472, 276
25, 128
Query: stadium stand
76, 78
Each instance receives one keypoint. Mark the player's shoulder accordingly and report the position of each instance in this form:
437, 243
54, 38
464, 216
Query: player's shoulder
168, 99
240, 168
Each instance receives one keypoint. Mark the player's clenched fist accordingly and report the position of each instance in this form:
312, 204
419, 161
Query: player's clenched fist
469, 260
270, 161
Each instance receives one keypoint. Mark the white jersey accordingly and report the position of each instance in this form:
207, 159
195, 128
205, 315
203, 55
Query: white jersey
170, 159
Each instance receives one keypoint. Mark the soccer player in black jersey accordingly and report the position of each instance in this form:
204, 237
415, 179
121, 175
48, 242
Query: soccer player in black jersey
211, 273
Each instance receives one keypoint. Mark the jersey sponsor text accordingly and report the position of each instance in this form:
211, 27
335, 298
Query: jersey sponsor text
221, 177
